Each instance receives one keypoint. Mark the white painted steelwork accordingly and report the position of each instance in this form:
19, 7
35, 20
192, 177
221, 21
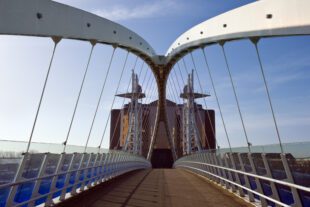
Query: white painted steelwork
218, 168
92, 170
133, 140
44, 18
265, 18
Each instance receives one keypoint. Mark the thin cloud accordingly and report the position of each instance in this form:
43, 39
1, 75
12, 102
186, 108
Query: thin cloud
154, 9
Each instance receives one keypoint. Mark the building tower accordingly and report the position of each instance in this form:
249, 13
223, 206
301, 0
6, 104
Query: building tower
191, 138
133, 141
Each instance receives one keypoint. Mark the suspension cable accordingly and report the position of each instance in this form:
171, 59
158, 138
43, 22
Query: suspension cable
180, 72
56, 40
236, 97
204, 101
216, 97
100, 97
142, 65
119, 116
79, 95
205, 133
106, 124
184, 63
255, 41
146, 123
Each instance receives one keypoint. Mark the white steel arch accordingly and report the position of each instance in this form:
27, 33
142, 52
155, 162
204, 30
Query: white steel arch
47, 18
263, 18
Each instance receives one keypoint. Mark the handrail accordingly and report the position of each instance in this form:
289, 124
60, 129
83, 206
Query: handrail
241, 186
256, 176
57, 190
109, 166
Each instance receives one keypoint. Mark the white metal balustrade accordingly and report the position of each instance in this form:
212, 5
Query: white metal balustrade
266, 179
48, 178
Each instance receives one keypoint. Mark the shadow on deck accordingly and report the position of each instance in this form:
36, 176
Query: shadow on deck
156, 187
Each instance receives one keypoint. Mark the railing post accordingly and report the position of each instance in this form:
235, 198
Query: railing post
219, 171
18, 177
67, 177
94, 167
78, 174
102, 168
275, 194
288, 172
230, 173
257, 181
60, 162
38, 181
85, 172
223, 171
241, 193
212, 169
246, 178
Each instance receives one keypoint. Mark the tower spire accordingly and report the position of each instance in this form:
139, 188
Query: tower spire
191, 137
133, 140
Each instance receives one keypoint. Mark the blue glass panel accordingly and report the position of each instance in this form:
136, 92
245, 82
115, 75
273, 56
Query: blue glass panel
4, 192
305, 198
72, 177
285, 195
24, 192
60, 181
41, 200
45, 186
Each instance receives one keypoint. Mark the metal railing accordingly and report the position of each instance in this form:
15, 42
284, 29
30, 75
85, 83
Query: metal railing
50, 178
268, 179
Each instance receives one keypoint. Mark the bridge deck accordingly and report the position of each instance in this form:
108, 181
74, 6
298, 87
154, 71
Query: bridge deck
157, 187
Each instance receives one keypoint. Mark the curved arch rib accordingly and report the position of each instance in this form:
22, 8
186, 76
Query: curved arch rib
263, 18
46, 18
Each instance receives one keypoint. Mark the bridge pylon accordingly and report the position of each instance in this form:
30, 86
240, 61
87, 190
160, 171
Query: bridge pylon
133, 140
191, 138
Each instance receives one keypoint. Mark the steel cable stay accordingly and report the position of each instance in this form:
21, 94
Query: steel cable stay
176, 99
100, 97
145, 123
236, 96
179, 68
180, 89
79, 95
255, 42
216, 98
123, 68
219, 159
21, 166
56, 40
199, 115
119, 115
141, 68
123, 104
224, 125
184, 64
247, 180
169, 123
204, 101
130, 104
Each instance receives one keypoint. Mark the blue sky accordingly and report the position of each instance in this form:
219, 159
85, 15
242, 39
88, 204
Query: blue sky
25, 61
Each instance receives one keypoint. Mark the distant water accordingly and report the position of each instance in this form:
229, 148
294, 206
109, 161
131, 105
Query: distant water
297, 149
8, 146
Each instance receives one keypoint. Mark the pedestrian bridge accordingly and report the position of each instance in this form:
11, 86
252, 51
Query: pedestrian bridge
166, 122
157, 187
